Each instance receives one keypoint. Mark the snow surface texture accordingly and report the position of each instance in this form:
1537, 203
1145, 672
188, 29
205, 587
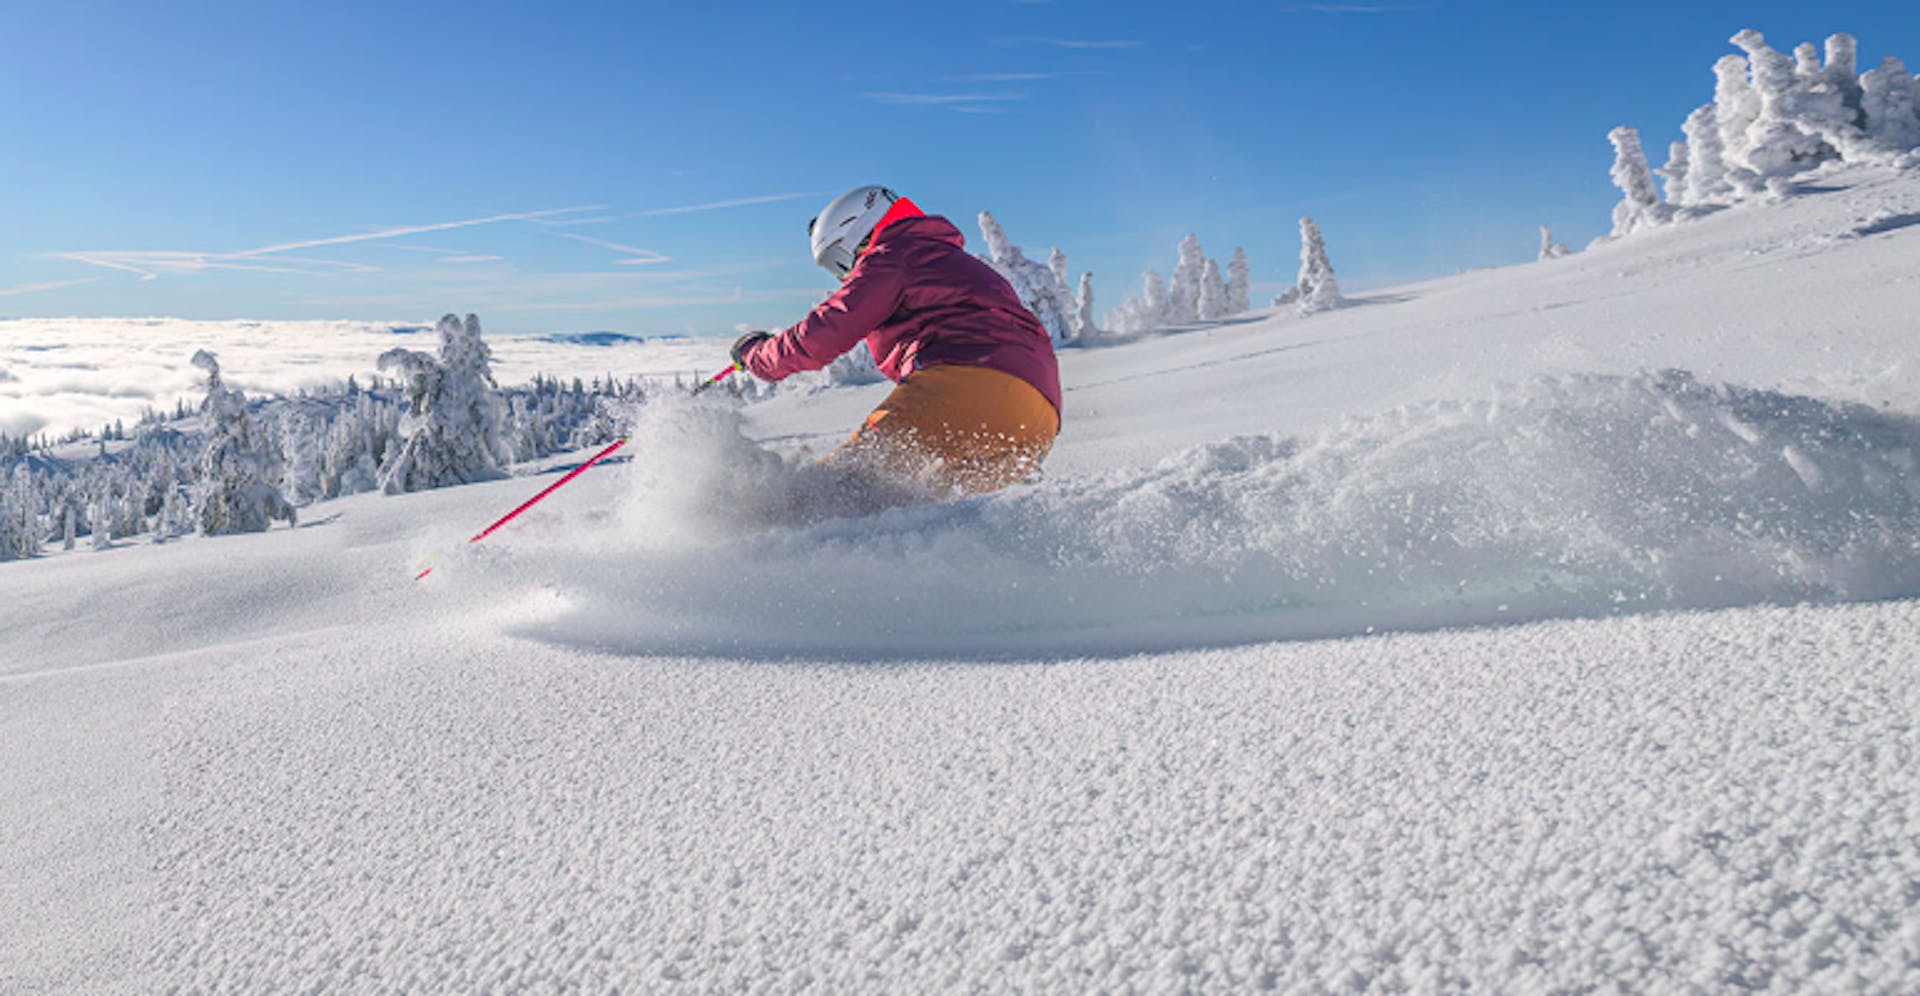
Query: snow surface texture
1043, 740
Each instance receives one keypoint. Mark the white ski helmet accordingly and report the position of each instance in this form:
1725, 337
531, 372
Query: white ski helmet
840, 229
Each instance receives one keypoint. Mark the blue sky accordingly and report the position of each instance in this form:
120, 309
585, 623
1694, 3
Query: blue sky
650, 168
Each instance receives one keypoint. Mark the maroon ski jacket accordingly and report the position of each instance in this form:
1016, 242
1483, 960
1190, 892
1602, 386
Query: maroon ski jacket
919, 300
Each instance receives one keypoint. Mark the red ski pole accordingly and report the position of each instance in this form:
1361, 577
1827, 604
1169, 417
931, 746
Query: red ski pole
716, 378
535, 500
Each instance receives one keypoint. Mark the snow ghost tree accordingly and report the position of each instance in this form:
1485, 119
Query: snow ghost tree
232, 495
1841, 72
1083, 308
1239, 283
1213, 293
1773, 116
1183, 289
1887, 106
1640, 205
1317, 289
1197, 292
1675, 172
1057, 262
19, 516
1039, 289
1777, 144
1550, 249
452, 432
1736, 108
1145, 313
1707, 180
1153, 297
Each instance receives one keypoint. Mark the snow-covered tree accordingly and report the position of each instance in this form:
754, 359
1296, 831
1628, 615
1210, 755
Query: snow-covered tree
1797, 112
454, 428
1888, 97
1550, 249
1674, 173
19, 515
1842, 72
1145, 313
1183, 289
855, 366
357, 443
1083, 308
1640, 205
302, 439
1318, 290
1806, 61
1154, 304
1039, 289
1707, 179
1213, 293
101, 537
175, 516
1736, 107
233, 495
1057, 262
1775, 115
1239, 282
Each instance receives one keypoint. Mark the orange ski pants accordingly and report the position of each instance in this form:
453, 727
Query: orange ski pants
965, 430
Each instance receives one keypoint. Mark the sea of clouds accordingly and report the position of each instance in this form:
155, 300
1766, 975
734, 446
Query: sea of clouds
58, 374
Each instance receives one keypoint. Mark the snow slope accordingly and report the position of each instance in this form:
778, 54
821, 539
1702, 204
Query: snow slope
1452, 639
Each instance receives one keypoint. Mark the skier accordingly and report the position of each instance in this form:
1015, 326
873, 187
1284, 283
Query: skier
978, 401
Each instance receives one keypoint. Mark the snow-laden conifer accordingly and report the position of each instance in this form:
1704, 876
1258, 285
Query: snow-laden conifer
1213, 292
1797, 112
101, 538
1674, 173
1154, 304
1550, 249
1239, 282
1319, 291
1039, 290
1144, 313
1083, 308
1776, 115
1640, 205
357, 442
1736, 108
1707, 179
1057, 262
452, 432
1806, 61
1183, 288
1888, 105
233, 494
302, 445
1842, 72
19, 515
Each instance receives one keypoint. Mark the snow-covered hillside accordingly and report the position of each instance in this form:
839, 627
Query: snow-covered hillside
1549, 627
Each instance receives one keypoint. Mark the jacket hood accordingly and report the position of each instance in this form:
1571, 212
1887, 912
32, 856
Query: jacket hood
926, 226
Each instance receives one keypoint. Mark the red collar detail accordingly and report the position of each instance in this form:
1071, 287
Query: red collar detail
902, 209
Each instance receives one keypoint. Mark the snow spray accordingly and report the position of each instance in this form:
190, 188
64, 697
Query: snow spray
575, 472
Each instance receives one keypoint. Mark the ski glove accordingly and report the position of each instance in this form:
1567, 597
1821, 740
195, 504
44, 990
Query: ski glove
744, 345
